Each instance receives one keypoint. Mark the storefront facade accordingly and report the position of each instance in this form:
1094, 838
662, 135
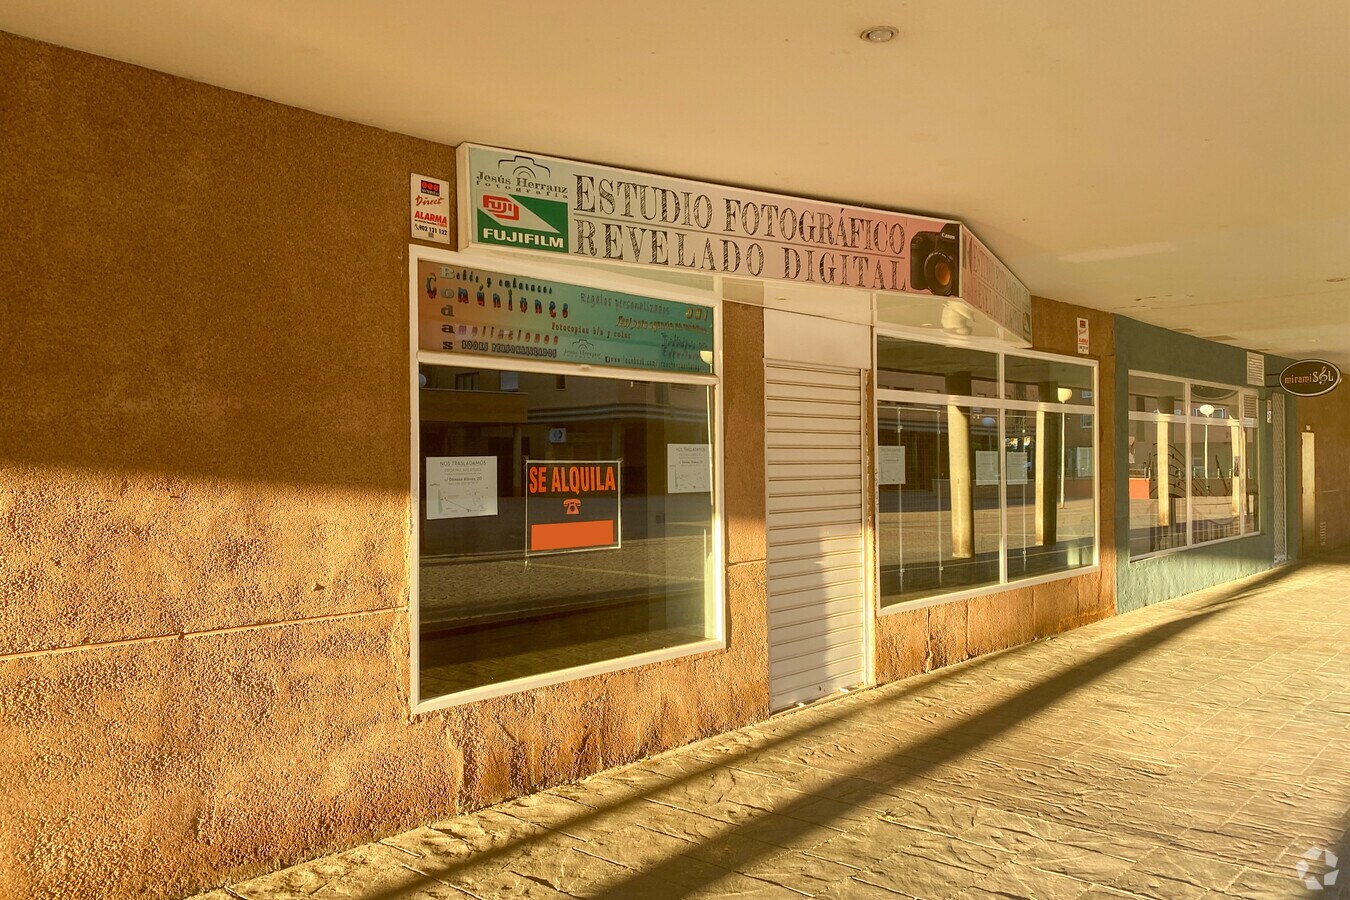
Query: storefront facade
928, 479
291, 566
1205, 470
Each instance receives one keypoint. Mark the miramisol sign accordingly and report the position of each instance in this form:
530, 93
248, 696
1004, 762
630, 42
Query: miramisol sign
550, 205
572, 505
1310, 378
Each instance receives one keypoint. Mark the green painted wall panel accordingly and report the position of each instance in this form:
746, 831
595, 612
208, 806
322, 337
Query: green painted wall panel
1147, 348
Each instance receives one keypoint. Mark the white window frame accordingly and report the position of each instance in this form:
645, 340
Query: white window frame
601, 280
925, 398
1187, 419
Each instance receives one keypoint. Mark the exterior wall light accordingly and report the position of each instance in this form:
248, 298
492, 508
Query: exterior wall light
878, 34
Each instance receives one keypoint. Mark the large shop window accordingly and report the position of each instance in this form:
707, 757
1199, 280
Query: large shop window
1194, 476
982, 479
564, 521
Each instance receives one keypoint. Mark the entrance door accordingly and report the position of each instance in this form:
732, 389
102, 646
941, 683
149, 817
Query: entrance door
1281, 498
815, 462
1308, 487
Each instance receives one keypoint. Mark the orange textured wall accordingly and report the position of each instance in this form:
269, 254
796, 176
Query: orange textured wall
204, 501
920, 640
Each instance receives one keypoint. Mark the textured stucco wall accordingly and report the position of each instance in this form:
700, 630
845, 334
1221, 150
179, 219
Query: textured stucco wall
920, 640
1147, 348
204, 501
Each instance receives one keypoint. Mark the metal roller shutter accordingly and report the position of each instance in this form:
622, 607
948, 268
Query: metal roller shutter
817, 589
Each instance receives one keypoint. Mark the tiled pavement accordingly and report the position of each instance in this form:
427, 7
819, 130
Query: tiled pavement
1195, 749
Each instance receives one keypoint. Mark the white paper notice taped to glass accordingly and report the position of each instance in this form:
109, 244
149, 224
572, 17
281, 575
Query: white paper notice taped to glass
986, 467
890, 465
459, 487
688, 468
1017, 467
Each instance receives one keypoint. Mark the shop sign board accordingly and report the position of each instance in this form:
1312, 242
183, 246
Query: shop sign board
558, 206
470, 310
990, 287
430, 209
1310, 378
572, 505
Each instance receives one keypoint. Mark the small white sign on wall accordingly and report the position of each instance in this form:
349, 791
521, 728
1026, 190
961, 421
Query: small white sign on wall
459, 487
1083, 337
430, 209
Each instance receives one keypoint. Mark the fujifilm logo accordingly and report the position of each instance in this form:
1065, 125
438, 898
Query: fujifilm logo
492, 235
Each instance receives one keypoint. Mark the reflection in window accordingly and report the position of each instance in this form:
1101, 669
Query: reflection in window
1046, 380
1051, 506
935, 369
491, 612
1193, 463
1157, 485
1216, 480
938, 483
1156, 395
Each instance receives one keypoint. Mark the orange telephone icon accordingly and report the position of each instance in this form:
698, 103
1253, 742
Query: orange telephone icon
572, 506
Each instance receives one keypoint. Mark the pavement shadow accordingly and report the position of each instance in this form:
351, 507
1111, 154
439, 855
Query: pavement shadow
916, 757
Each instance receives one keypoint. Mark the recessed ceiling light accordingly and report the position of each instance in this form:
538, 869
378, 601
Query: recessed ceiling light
878, 34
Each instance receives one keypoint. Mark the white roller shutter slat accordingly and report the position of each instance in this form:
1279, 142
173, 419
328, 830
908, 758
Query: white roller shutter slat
785, 618
817, 585
820, 379
797, 502
803, 685
817, 487
837, 409
791, 588
783, 552
840, 559
808, 471
791, 439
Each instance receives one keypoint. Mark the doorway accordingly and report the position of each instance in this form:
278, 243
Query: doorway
815, 462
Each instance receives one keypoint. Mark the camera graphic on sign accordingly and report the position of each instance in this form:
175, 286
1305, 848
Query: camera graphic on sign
933, 257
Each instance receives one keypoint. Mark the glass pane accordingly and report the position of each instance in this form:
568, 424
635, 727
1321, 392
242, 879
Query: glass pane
492, 610
938, 480
915, 366
1051, 515
1046, 380
1157, 485
1216, 505
1156, 395
1215, 402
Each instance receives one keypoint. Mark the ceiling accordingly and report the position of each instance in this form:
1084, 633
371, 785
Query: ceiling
1181, 163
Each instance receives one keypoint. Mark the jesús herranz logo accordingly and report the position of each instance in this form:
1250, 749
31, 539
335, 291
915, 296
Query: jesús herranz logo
513, 220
